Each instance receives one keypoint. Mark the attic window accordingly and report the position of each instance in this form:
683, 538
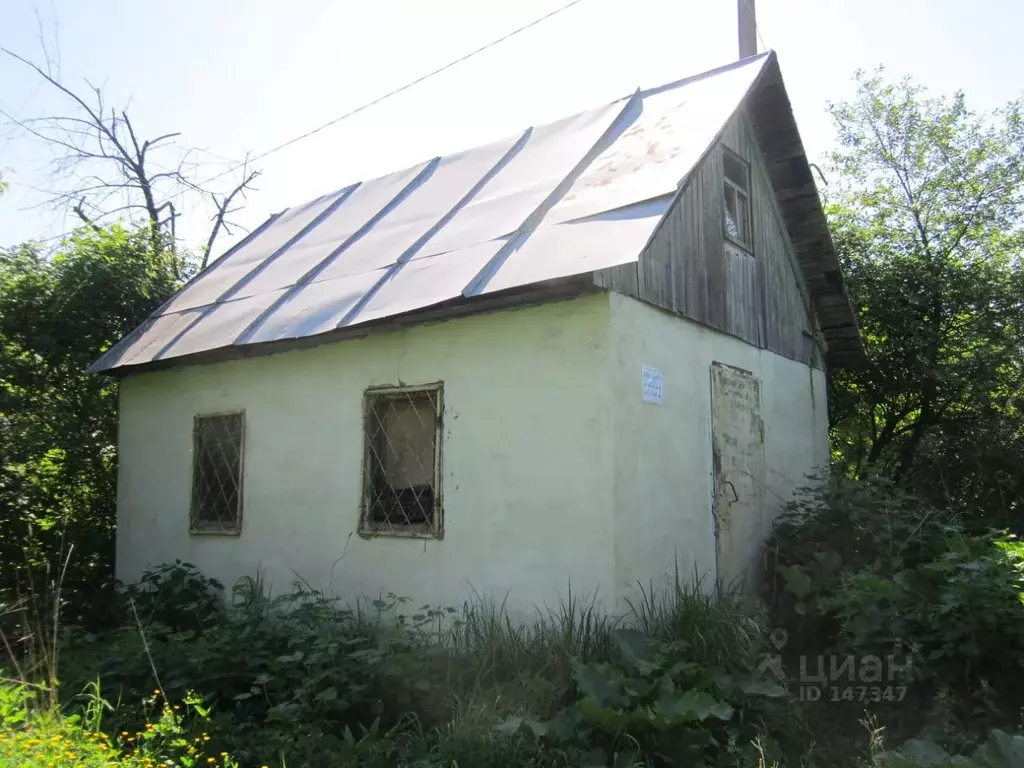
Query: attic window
402, 462
736, 188
217, 443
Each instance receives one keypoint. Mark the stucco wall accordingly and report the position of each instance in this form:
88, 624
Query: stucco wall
555, 470
527, 461
662, 453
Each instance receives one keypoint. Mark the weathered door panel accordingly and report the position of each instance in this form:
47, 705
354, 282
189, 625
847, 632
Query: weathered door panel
737, 443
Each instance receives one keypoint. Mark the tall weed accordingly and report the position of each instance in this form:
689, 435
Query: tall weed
721, 629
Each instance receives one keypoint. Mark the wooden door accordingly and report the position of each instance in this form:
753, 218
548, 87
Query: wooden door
737, 444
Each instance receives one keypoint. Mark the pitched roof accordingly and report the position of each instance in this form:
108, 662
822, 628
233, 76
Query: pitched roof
558, 200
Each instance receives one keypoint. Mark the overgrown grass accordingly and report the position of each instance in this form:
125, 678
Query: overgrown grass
304, 679
719, 627
492, 660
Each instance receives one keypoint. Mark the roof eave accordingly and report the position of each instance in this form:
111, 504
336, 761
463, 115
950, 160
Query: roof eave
512, 298
772, 116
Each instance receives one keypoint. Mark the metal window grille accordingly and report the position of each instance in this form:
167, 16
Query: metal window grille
736, 189
217, 473
402, 462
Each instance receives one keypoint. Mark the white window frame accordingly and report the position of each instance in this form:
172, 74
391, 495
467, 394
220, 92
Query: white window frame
370, 528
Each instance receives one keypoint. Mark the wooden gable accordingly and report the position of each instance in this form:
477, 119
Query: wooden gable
783, 290
755, 292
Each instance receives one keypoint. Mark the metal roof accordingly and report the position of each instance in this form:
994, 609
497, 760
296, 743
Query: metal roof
567, 198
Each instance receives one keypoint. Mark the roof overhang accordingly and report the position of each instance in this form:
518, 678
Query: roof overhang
788, 168
545, 292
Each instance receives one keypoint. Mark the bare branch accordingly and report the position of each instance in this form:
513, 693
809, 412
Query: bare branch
153, 142
41, 33
223, 209
81, 214
102, 166
97, 119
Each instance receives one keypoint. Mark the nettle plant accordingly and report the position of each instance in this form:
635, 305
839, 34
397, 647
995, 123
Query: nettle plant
652, 703
178, 596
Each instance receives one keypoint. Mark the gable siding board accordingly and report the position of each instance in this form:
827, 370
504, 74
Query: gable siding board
688, 269
623, 278
744, 298
713, 241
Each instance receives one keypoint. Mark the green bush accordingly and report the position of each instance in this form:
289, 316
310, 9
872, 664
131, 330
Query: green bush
838, 526
859, 568
176, 596
303, 675
1001, 750
694, 695
280, 674
960, 616
59, 311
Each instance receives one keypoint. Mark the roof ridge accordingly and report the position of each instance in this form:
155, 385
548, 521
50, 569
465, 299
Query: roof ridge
709, 73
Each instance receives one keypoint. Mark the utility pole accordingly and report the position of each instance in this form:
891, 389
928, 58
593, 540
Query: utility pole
747, 21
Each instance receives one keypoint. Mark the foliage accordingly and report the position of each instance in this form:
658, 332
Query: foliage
837, 527
925, 207
58, 313
655, 702
305, 678
176, 596
719, 628
865, 569
460, 742
31, 735
528, 664
1001, 750
960, 615
289, 673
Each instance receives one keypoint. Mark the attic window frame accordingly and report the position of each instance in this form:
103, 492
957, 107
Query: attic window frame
198, 525
375, 398
744, 211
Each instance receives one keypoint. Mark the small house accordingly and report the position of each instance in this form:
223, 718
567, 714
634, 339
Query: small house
582, 355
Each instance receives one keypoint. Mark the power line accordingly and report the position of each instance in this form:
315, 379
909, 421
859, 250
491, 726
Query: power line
397, 91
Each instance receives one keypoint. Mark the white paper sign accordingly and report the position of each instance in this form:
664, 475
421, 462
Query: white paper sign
652, 381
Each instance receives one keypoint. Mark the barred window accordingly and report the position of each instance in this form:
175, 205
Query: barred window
217, 473
736, 189
402, 461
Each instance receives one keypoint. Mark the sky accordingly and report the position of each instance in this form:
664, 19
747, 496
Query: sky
238, 76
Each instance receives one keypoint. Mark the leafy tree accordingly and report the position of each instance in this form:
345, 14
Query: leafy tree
58, 426
927, 217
